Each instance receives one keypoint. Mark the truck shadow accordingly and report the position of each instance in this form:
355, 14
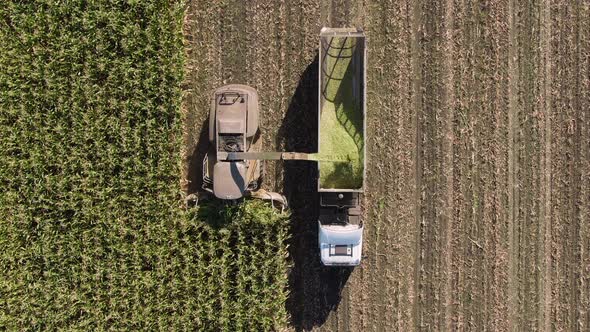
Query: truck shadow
315, 290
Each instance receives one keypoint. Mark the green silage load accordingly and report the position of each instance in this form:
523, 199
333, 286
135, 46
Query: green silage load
341, 118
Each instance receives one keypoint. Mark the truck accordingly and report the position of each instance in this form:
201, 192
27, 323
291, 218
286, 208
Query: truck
233, 169
341, 131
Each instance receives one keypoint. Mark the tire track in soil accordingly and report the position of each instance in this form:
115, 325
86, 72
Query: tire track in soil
478, 245
489, 153
417, 106
527, 174
584, 166
447, 216
431, 149
544, 314
569, 137
512, 193
528, 227
387, 273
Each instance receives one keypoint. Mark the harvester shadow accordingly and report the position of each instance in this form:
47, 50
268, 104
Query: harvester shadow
195, 162
315, 290
207, 212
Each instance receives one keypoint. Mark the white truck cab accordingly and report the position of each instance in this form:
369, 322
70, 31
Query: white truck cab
341, 244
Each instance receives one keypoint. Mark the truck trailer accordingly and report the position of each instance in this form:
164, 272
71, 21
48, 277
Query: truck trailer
341, 132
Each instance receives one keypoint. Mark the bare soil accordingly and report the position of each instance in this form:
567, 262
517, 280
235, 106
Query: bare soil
477, 204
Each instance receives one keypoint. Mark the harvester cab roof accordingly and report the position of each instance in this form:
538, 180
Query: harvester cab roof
233, 127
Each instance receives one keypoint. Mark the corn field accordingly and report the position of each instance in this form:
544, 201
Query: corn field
92, 229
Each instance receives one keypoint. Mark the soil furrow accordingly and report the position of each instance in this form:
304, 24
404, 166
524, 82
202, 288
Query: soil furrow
432, 188
575, 281
447, 218
584, 167
416, 25
499, 98
529, 152
565, 154
390, 219
460, 59
466, 246
545, 166
513, 71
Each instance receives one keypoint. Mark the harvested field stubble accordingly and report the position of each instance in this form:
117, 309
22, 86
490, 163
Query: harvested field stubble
476, 210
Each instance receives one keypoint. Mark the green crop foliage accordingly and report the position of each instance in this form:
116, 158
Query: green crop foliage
241, 269
341, 121
92, 231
